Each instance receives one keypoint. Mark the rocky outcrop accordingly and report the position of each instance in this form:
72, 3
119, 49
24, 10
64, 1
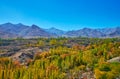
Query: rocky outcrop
116, 59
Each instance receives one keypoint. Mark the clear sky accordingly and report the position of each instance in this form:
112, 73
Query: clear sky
62, 14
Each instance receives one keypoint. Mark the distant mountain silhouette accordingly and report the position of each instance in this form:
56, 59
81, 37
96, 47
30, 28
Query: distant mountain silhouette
35, 31
55, 31
85, 32
115, 33
9, 30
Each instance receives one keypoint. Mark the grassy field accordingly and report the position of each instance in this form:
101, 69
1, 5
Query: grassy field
60, 58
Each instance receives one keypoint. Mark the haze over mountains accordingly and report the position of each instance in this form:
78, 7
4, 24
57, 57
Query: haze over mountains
9, 30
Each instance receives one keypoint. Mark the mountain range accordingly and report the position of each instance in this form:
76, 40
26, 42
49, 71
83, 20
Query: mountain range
9, 30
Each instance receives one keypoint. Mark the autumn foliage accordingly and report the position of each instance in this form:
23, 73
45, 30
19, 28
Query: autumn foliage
67, 62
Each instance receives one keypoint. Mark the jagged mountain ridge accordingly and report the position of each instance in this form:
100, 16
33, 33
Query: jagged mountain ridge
86, 32
9, 30
21, 30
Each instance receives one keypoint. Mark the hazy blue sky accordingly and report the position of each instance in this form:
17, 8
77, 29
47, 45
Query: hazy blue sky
62, 14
